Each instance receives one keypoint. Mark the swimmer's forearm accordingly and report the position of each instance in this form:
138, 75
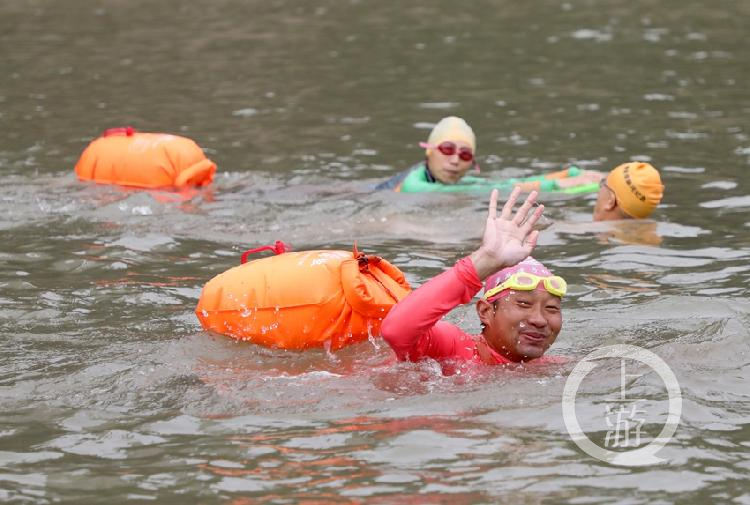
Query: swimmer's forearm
412, 327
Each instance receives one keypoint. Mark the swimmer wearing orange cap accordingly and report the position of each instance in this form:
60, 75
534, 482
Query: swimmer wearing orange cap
520, 311
630, 191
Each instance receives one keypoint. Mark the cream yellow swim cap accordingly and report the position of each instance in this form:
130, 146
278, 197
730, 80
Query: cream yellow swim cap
455, 129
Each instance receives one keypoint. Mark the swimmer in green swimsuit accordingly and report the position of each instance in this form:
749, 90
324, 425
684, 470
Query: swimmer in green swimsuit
450, 154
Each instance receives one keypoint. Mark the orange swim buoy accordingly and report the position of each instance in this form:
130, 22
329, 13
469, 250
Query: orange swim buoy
144, 160
302, 300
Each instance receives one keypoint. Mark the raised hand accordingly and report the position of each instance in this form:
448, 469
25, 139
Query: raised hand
508, 238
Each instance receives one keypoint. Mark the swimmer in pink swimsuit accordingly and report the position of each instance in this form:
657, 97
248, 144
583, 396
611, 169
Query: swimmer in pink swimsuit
519, 311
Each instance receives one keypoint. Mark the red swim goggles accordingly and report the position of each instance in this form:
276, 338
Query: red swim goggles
449, 148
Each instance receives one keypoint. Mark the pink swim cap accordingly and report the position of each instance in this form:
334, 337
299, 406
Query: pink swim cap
529, 266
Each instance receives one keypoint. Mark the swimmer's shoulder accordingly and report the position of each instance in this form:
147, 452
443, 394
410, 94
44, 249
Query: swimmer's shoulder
395, 181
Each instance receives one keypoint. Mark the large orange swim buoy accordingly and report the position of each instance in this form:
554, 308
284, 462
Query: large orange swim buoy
302, 300
144, 160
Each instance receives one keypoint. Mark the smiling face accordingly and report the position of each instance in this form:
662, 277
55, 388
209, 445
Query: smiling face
521, 325
448, 169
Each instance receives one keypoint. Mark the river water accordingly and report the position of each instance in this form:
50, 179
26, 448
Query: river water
111, 391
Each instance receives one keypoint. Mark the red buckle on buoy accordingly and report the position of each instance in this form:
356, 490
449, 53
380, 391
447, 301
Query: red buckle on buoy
278, 247
127, 131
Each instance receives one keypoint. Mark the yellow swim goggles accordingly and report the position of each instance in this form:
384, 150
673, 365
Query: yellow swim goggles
521, 281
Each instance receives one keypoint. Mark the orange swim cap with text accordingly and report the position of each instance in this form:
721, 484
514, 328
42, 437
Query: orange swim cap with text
638, 188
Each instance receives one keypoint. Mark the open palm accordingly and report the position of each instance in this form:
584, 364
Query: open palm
508, 238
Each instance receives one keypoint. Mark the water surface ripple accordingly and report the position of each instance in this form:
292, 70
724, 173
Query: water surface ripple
110, 389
